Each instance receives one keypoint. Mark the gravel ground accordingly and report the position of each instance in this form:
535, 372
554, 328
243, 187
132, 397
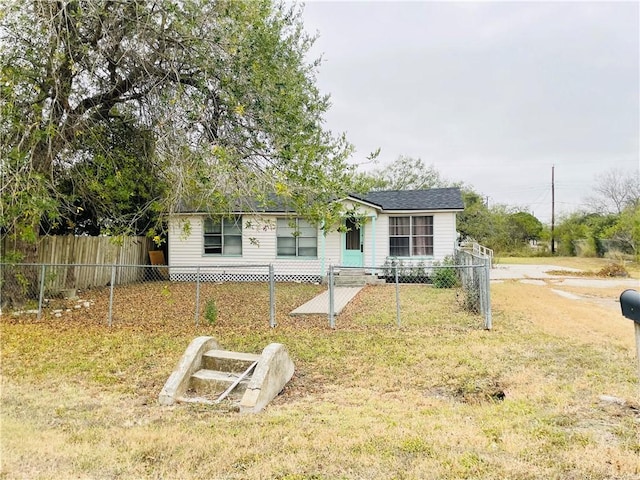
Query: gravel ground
521, 272
506, 271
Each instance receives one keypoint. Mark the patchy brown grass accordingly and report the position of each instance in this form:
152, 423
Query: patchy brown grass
581, 321
438, 397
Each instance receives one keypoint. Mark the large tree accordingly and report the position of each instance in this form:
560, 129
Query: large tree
611, 221
625, 233
206, 102
614, 191
524, 227
475, 222
407, 173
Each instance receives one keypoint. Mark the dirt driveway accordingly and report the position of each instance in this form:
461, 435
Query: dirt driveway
539, 272
585, 308
604, 291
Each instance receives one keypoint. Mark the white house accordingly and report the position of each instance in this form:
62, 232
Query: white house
412, 225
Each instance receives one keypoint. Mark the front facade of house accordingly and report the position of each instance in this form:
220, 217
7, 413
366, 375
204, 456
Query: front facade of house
413, 225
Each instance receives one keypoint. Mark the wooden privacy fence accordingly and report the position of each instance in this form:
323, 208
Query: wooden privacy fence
69, 257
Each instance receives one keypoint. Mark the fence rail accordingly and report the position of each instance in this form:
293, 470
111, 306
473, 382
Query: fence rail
30, 288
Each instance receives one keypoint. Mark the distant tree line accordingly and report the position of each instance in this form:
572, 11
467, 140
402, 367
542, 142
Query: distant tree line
500, 227
609, 222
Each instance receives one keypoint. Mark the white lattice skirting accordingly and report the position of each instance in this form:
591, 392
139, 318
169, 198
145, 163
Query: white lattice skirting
243, 277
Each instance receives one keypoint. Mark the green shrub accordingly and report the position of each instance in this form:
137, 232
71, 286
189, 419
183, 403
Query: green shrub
445, 276
211, 311
407, 272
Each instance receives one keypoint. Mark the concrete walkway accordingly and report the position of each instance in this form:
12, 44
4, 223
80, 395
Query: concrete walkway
320, 304
506, 271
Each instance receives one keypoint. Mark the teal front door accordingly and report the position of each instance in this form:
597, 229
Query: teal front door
352, 244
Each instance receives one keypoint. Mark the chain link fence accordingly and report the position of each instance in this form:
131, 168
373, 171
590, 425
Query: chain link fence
467, 273
119, 292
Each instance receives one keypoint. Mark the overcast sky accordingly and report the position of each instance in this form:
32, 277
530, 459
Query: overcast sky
491, 93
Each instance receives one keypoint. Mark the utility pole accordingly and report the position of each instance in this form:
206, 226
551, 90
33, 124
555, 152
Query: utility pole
553, 209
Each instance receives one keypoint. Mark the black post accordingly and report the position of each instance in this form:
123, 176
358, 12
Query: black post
553, 209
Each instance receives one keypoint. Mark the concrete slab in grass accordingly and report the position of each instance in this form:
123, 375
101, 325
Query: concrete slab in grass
320, 304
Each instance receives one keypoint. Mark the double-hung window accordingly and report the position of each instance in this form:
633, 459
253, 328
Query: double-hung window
296, 238
223, 236
411, 236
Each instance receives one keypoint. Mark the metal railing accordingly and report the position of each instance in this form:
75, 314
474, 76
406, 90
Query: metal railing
478, 250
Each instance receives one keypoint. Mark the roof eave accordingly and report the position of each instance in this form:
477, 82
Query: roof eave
429, 210
362, 202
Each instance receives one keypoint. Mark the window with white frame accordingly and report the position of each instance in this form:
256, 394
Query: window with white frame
223, 236
411, 236
296, 238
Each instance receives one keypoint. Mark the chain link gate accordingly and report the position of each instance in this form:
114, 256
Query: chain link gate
467, 273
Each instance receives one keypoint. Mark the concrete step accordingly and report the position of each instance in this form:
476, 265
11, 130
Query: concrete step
225, 361
357, 280
266, 374
350, 280
213, 382
345, 272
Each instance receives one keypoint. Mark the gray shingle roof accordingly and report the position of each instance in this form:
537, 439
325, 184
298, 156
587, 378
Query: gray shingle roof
388, 200
432, 199
271, 204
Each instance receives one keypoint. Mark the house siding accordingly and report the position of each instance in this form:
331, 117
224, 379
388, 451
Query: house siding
259, 245
444, 235
382, 239
258, 248
333, 248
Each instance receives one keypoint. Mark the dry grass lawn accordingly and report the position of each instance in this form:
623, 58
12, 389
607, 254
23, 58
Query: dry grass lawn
438, 398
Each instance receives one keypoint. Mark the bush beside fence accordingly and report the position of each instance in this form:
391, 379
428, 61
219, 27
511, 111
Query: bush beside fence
466, 273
